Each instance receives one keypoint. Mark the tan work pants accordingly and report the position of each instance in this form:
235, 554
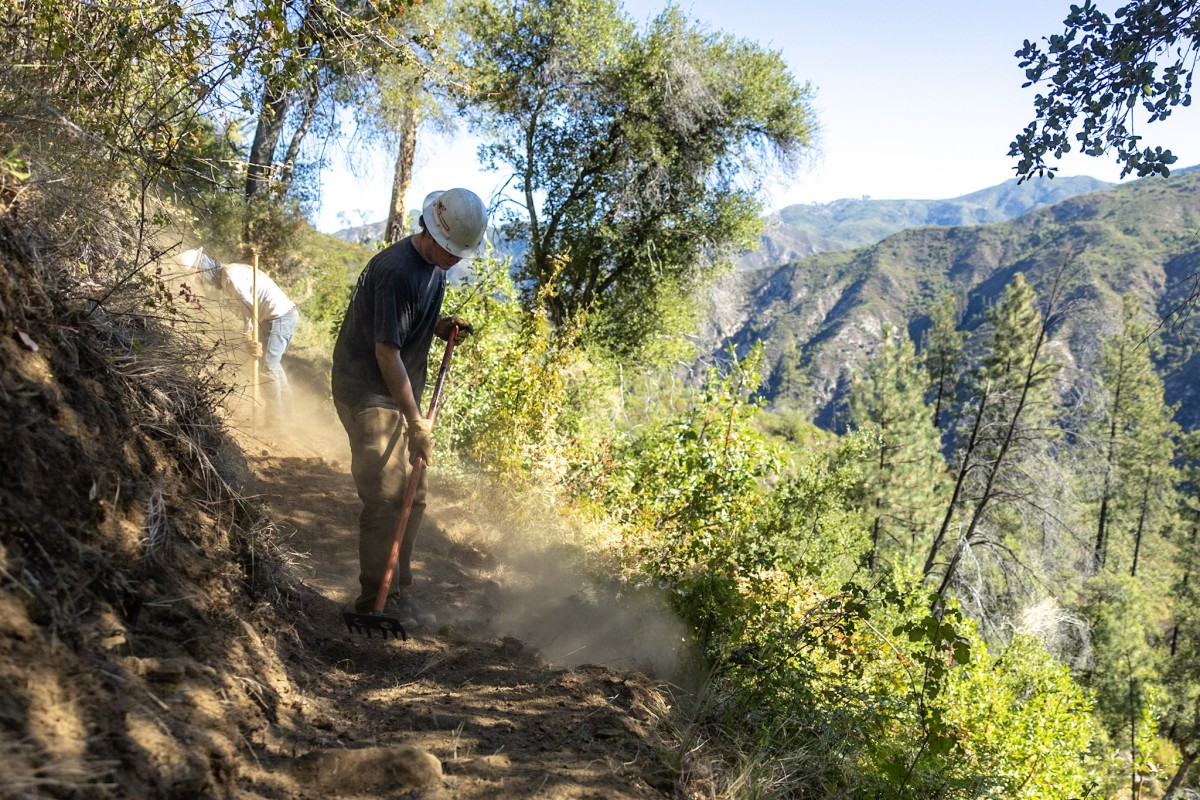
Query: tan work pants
379, 464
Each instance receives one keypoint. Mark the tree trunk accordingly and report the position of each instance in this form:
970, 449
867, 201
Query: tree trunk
877, 527
1141, 527
277, 99
288, 169
875, 539
937, 404
275, 105
1098, 551
1110, 466
964, 466
1102, 524
410, 121
993, 469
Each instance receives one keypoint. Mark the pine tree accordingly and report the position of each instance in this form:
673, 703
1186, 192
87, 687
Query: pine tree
1008, 422
1014, 363
1137, 495
1182, 719
904, 481
1125, 668
942, 355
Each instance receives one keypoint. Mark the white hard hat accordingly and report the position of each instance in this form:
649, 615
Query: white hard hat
188, 258
457, 221
198, 262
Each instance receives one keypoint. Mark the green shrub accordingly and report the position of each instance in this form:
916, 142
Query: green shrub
517, 385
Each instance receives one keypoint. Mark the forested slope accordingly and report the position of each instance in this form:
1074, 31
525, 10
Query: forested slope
822, 317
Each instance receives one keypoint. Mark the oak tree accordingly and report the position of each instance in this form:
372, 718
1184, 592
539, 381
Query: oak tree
633, 153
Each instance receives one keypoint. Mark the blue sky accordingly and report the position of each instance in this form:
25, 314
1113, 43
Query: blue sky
914, 100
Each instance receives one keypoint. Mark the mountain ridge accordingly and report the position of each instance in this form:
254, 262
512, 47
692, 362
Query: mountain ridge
802, 230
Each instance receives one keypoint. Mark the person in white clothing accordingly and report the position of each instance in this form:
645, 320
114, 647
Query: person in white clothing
277, 319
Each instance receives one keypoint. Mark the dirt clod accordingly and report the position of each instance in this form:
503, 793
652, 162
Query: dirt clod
370, 769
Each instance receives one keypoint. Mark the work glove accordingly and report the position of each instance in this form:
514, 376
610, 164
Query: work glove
420, 439
446, 324
253, 347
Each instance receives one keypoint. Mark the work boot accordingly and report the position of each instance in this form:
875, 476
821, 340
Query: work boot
410, 610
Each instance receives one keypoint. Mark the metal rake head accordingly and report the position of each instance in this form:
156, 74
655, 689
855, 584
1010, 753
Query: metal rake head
374, 621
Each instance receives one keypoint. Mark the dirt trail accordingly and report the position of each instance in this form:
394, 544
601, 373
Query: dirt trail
504, 690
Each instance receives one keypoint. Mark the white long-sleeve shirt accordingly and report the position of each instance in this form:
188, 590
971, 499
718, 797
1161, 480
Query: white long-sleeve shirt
272, 302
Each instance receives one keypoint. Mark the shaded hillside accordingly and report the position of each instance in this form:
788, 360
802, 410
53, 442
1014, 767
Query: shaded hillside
821, 317
807, 229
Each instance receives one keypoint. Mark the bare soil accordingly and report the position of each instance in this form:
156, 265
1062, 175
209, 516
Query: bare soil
170, 604
485, 688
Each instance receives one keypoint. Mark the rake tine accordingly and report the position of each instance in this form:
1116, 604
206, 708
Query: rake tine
371, 622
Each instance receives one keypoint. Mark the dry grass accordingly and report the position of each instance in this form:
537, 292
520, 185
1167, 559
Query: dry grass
29, 776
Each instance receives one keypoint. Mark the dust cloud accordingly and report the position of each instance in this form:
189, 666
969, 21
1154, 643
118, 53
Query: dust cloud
574, 619
504, 566
550, 594
532, 579
310, 427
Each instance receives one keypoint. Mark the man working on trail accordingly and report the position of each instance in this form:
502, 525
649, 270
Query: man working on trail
379, 366
277, 318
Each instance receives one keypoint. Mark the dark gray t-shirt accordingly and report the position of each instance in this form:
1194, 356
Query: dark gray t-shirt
398, 299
